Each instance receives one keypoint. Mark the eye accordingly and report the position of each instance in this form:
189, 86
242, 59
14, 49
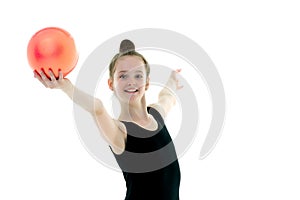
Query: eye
123, 76
139, 76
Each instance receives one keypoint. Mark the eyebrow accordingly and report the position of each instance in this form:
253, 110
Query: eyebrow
125, 71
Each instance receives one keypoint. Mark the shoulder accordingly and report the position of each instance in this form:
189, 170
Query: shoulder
157, 107
120, 125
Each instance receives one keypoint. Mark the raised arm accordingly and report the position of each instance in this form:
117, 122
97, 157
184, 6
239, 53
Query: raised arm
166, 97
112, 130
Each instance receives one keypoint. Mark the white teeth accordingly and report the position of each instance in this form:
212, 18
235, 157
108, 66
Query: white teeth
131, 90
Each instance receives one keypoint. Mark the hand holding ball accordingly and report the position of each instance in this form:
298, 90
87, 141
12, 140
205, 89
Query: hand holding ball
52, 48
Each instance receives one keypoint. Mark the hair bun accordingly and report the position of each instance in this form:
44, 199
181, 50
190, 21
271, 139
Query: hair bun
126, 46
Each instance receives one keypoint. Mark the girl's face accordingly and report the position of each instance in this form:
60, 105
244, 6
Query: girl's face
130, 80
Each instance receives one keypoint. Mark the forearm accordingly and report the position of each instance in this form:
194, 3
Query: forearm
84, 100
166, 93
166, 100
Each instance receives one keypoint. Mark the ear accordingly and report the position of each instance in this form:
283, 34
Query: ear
147, 83
110, 84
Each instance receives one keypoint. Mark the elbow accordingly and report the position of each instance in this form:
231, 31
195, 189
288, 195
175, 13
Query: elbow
98, 107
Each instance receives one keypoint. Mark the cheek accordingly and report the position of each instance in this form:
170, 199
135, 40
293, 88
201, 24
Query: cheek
142, 82
119, 84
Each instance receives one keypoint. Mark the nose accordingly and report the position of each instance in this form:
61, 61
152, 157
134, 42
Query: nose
131, 81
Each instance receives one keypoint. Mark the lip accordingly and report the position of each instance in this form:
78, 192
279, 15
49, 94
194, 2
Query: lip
131, 90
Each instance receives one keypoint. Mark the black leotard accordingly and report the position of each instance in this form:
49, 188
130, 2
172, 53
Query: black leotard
149, 162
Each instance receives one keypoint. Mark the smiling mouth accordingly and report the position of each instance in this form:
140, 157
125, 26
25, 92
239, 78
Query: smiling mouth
131, 91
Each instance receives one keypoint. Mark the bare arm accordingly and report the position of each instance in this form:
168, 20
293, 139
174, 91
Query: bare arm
166, 97
112, 130
84, 100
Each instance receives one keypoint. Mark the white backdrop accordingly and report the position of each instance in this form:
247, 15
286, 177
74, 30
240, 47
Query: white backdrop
255, 47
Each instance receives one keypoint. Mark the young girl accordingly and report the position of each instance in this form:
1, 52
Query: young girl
139, 130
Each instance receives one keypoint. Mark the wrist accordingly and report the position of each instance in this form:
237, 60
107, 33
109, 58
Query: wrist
67, 87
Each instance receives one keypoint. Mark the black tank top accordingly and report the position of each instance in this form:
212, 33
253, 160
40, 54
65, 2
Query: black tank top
149, 162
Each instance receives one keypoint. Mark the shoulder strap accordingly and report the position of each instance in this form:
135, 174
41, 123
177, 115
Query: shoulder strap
156, 115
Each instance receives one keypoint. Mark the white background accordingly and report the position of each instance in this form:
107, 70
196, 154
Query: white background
255, 47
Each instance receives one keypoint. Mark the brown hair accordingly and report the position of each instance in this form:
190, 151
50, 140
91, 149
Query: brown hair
127, 48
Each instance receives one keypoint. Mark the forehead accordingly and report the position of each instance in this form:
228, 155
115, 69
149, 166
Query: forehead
128, 63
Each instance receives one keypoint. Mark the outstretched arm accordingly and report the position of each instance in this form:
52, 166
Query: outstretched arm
112, 130
166, 97
84, 100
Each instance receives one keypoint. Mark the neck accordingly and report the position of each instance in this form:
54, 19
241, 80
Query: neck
134, 112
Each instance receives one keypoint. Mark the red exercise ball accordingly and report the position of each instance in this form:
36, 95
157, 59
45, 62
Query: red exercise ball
52, 48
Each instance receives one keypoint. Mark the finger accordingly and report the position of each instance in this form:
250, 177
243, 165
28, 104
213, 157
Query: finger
53, 79
37, 75
173, 75
175, 72
49, 83
178, 70
179, 87
43, 75
60, 75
